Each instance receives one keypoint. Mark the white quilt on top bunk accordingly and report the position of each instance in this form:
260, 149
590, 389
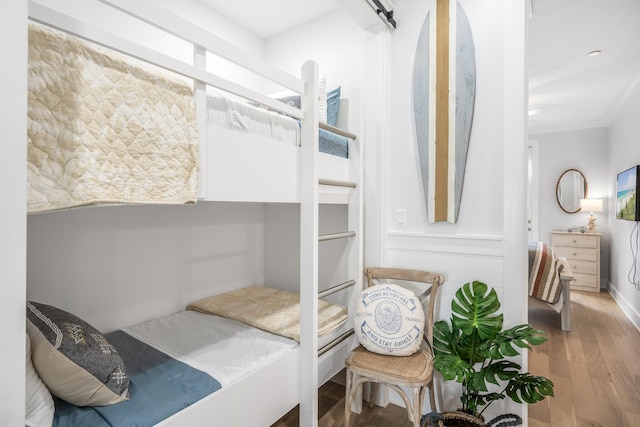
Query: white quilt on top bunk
105, 129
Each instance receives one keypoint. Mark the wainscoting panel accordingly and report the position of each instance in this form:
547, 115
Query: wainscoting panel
461, 258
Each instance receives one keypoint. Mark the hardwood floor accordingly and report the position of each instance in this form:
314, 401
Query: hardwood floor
331, 410
595, 369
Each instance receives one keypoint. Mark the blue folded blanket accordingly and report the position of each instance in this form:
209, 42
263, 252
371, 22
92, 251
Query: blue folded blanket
159, 386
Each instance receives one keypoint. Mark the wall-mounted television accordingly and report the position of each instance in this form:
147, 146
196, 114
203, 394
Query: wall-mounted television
627, 206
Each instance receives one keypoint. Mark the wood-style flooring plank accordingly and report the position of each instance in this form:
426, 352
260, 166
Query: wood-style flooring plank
605, 342
561, 409
537, 423
608, 402
584, 400
595, 366
631, 419
628, 393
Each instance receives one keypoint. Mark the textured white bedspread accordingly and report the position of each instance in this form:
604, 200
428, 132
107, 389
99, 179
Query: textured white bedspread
103, 128
225, 349
243, 117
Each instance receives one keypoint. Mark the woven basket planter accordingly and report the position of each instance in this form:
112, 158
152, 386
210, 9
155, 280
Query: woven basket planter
461, 419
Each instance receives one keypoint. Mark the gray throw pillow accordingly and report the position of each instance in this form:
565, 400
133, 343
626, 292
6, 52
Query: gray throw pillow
74, 359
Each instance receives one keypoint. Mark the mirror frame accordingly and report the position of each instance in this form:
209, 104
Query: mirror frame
586, 190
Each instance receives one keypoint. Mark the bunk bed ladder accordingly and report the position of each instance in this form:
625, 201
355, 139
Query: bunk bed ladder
310, 238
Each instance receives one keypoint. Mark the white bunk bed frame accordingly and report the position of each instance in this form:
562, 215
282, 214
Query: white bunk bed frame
298, 175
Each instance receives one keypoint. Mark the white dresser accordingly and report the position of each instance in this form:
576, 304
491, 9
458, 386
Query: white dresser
582, 251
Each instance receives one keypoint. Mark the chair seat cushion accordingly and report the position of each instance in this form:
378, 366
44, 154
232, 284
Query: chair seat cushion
416, 367
389, 320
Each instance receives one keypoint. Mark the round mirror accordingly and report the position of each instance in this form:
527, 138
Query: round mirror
571, 187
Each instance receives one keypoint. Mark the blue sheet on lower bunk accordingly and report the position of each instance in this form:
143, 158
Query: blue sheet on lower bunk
334, 144
159, 386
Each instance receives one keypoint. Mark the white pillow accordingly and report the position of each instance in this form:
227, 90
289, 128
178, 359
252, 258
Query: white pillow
39, 407
389, 319
291, 98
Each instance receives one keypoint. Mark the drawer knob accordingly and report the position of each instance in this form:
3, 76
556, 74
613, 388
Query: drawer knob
574, 254
575, 241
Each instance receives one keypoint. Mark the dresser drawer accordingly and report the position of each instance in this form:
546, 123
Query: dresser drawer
580, 254
585, 282
583, 267
577, 240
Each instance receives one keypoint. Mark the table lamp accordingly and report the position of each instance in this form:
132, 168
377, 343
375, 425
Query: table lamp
591, 205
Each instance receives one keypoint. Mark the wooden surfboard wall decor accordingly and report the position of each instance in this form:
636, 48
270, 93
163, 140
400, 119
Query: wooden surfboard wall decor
444, 87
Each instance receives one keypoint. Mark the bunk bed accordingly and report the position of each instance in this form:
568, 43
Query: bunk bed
218, 163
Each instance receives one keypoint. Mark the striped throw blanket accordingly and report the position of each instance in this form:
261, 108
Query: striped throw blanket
544, 272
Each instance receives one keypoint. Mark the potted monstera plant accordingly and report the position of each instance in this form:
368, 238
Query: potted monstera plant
473, 350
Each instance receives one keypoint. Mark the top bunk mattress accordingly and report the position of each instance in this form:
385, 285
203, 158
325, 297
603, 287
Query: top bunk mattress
240, 116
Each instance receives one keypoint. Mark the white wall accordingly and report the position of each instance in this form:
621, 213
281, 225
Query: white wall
481, 207
282, 249
13, 175
117, 266
488, 242
624, 148
334, 41
588, 151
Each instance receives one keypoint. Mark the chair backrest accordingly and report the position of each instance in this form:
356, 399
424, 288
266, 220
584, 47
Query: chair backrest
434, 280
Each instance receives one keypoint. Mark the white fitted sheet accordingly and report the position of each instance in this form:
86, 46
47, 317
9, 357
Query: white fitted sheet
225, 349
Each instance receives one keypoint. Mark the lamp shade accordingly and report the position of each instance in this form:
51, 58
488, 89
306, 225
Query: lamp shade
591, 205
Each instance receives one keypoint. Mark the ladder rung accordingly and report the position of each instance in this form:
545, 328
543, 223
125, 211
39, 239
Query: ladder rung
335, 342
337, 183
333, 236
339, 131
336, 288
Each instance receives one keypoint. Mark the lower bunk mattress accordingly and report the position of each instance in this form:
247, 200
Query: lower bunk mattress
173, 362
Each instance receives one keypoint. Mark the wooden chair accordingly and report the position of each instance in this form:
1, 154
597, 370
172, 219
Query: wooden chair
415, 371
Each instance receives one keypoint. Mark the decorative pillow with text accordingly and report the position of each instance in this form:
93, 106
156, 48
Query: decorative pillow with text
389, 319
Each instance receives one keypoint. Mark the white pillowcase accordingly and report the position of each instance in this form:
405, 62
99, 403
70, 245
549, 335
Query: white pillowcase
322, 98
389, 319
39, 407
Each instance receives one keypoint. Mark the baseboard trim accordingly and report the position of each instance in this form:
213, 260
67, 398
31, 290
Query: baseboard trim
625, 306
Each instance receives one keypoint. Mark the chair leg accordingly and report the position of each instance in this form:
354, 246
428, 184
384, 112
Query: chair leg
348, 399
416, 410
372, 394
432, 397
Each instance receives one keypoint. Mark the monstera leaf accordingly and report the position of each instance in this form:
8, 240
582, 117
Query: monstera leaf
502, 370
529, 388
473, 349
474, 310
522, 336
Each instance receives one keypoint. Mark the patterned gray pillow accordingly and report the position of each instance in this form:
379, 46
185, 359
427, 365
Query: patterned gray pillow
74, 359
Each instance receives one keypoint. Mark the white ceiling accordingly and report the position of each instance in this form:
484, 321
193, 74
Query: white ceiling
266, 18
576, 90
579, 91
